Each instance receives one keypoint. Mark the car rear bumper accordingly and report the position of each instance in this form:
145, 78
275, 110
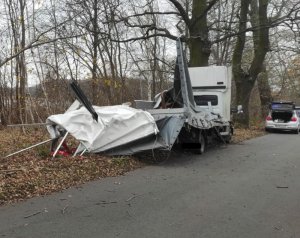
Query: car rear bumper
282, 127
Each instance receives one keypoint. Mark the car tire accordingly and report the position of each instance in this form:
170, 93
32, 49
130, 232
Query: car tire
296, 131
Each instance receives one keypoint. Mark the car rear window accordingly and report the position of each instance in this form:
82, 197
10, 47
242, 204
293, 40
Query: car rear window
282, 106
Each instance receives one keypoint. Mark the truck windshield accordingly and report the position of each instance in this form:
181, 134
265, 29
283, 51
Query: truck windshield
202, 100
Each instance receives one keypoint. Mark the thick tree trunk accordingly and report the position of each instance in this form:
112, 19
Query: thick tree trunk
239, 75
245, 79
243, 91
264, 92
200, 45
199, 52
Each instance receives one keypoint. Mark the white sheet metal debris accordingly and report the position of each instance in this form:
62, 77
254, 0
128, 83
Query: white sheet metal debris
118, 125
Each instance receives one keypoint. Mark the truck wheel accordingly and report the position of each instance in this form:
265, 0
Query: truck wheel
228, 138
202, 144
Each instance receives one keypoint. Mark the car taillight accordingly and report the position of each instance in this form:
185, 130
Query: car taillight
294, 119
269, 118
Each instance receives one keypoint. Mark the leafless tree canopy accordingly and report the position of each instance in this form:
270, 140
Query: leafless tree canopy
120, 50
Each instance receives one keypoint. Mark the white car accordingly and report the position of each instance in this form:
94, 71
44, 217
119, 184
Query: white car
283, 117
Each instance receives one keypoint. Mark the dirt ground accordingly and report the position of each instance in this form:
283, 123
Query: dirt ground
35, 173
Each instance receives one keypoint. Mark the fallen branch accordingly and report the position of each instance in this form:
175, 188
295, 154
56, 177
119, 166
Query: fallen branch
105, 202
33, 214
134, 196
12, 170
64, 209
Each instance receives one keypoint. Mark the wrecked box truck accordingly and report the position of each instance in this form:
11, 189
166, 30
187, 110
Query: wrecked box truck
193, 113
196, 110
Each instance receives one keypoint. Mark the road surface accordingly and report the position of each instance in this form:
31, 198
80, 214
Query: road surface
246, 190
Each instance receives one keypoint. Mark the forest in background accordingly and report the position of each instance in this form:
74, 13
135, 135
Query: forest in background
120, 50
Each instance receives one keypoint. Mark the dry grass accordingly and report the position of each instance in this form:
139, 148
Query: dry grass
241, 134
35, 173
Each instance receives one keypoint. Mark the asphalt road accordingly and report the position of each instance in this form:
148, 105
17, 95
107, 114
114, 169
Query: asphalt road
247, 190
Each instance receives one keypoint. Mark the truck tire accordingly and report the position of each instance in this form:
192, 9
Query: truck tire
228, 138
202, 144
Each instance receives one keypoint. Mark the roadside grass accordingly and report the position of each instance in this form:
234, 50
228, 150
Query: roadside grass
34, 173
241, 134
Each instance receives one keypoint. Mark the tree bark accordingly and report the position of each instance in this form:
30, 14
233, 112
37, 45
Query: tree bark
95, 50
22, 65
264, 92
200, 45
245, 79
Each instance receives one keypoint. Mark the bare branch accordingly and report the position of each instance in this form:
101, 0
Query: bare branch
126, 18
34, 44
182, 12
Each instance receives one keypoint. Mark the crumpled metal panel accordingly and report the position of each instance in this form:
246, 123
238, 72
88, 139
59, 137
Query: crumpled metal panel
184, 87
117, 125
169, 129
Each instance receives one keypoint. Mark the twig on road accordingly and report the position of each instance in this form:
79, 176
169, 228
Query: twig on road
63, 211
132, 197
282, 186
105, 202
33, 214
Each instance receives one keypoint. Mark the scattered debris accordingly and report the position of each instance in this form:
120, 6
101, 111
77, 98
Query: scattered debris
132, 197
105, 202
33, 214
282, 187
63, 211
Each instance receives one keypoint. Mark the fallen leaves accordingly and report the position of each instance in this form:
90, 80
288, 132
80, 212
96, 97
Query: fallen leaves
29, 174
241, 134
35, 173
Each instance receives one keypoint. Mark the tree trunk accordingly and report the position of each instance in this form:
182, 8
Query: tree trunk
199, 43
264, 92
22, 65
243, 92
95, 51
237, 72
245, 79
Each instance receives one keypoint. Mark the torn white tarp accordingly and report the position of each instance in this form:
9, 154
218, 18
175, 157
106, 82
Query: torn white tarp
117, 125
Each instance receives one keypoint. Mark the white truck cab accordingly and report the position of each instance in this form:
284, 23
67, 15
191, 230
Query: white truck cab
212, 88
